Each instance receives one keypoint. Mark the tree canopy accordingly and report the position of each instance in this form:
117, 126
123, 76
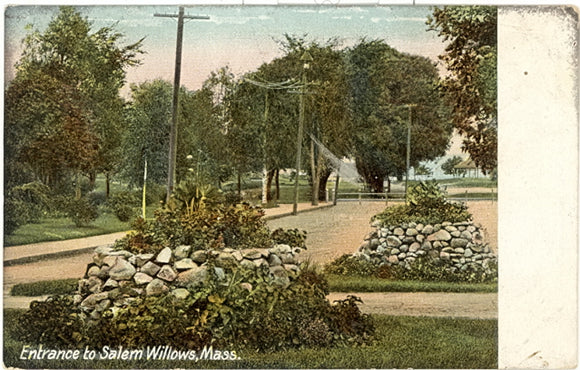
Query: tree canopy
471, 87
384, 83
63, 108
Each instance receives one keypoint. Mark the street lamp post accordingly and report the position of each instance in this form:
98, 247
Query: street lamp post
306, 58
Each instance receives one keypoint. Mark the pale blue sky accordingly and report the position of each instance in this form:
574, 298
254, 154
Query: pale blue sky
241, 37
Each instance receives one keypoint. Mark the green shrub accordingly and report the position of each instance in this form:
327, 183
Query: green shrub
55, 323
350, 265
423, 269
25, 204
81, 211
429, 269
123, 205
239, 226
293, 237
260, 315
426, 204
97, 198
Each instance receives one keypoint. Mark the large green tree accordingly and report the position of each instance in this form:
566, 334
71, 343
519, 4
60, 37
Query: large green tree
471, 87
63, 109
327, 111
383, 83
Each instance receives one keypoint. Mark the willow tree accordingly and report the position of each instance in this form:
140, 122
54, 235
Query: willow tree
390, 92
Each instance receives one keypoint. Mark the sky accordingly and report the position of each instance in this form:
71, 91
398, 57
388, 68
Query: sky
241, 37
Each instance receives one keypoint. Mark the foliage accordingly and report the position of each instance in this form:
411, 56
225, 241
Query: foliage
422, 170
147, 133
64, 95
350, 266
428, 269
190, 196
448, 166
423, 269
234, 226
123, 205
55, 321
49, 287
471, 87
426, 204
25, 204
81, 211
383, 82
260, 314
293, 237
460, 343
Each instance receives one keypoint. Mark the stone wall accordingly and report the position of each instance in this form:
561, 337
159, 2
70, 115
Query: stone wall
460, 245
116, 277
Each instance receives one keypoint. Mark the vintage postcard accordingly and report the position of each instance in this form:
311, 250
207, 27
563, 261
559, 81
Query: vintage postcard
304, 185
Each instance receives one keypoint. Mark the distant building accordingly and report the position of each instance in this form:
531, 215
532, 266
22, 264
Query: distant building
468, 168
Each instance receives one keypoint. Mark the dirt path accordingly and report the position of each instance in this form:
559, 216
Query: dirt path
334, 231
469, 305
341, 229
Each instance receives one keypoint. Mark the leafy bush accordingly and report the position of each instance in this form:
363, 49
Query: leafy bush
423, 269
350, 265
97, 198
426, 204
55, 322
293, 237
259, 314
81, 211
123, 205
429, 269
25, 204
238, 226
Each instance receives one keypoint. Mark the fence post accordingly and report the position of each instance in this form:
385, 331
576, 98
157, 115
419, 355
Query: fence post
326, 196
386, 199
359, 198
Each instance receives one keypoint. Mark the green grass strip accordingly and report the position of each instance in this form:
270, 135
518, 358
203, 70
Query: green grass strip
49, 287
400, 342
363, 284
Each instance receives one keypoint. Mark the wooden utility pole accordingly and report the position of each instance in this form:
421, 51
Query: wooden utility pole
410, 106
176, 82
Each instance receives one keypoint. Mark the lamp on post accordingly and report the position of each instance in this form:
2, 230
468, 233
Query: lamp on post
306, 59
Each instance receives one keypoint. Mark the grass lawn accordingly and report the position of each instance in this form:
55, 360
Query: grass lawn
469, 182
400, 342
50, 229
337, 284
371, 284
48, 287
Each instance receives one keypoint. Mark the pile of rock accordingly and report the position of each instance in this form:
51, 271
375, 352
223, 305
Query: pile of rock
460, 245
116, 277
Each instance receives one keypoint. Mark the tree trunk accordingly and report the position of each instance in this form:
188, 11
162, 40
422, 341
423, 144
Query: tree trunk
314, 174
239, 184
377, 184
324, 175
107, 184
271, 174
92, 179
277, 184
388, 184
